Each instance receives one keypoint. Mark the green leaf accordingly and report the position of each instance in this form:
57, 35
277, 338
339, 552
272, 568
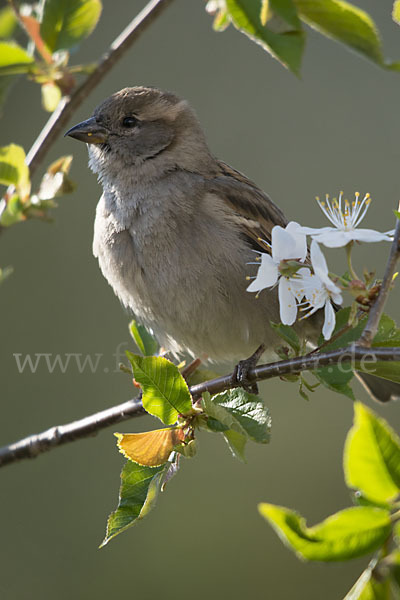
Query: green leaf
14, 59
376, 590
288, 334
146, 343
349, 335
242, 412
372, 456
286, 9
396, 12
387, 335
13, 213
344, 23
8, 22
165, 392
366, 588
236, 443
347, 534
286, 47
13, 168
336, 379
138, 494
66, 22
51, 96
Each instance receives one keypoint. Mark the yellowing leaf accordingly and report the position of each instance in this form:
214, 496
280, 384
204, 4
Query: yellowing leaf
151, 448
51, 96
13, 168
396, 12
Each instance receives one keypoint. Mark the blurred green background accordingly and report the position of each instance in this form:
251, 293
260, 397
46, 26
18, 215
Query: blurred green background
336, 128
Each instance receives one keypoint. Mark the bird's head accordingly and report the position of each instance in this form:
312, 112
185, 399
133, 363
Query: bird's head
141, 125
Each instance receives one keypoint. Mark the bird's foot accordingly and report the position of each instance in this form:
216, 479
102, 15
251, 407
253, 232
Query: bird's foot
241, 372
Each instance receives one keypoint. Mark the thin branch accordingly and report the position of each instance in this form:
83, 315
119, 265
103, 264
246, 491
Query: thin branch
59, 118
376, 311
33, 445
68, 104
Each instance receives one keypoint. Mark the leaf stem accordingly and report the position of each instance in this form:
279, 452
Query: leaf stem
349, 248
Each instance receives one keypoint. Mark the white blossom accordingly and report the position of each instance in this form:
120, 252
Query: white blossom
286, 244
319, 290
345, 217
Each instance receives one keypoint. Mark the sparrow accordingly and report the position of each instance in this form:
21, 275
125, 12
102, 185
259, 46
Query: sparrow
176, 230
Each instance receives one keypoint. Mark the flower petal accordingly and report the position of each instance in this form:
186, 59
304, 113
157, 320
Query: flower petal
300, 249
314, 230
267, 274
318, 260
288, 244
330, 320
287, 302
334, 239
370, 235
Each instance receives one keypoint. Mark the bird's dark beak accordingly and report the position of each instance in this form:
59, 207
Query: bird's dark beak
89, 131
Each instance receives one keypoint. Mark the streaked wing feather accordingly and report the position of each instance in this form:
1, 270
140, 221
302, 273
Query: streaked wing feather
252, 209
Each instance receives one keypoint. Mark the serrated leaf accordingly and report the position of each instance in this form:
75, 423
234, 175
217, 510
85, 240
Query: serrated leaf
347, 534
165, 392
151, 448
13, 168
8, 22
236, 443
388, 334
242, 412
372, 456
216, 426
286, 47
51, 96
138, 494
286, 9
344, 23
288, 334
146, 343
336, 378
66, 22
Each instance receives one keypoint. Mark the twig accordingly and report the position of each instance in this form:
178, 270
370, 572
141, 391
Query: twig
376, 311
33, 445
69, 104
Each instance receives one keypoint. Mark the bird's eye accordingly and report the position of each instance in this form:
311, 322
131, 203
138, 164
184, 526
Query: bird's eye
129, 122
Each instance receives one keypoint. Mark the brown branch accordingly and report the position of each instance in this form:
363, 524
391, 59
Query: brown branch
33, 445
376, 311
68, 104
59, 118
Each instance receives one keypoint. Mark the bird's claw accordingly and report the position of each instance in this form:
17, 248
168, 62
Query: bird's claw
241, 372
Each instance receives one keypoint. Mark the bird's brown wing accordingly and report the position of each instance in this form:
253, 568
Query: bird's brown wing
252, 209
